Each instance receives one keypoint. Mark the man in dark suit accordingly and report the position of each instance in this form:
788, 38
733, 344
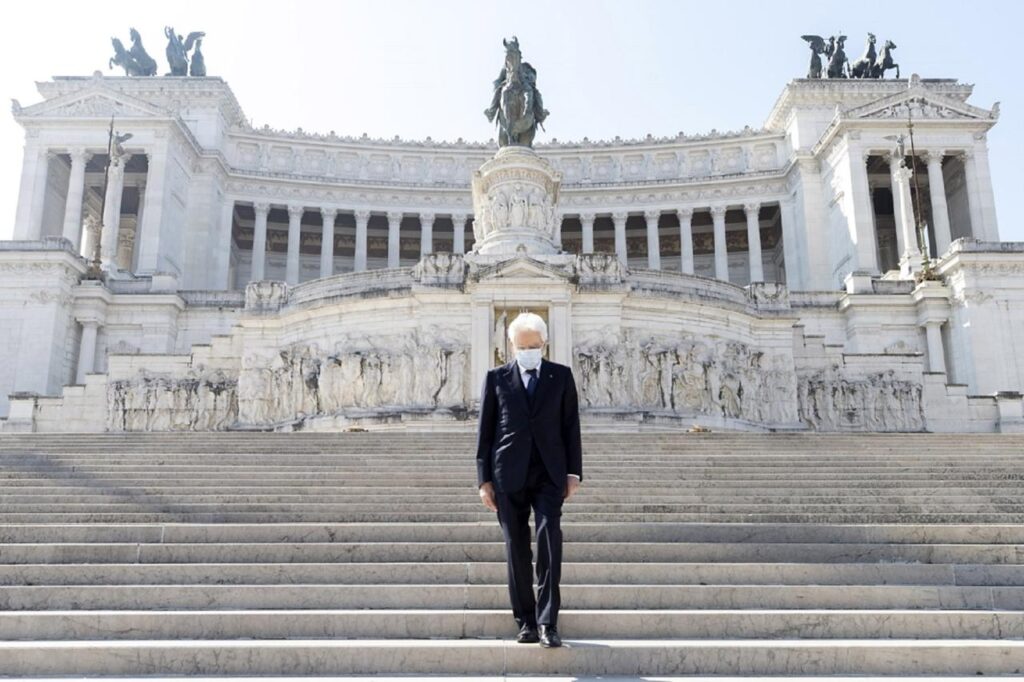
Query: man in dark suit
529, 455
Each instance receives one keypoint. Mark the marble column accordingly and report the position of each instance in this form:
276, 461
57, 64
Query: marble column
42, 169
653, 243
125, 244
140, 214
394, 239
224, 242
426, 233
721, 251
259, 241
979, 230
362, 219
685, 240
937, 192
76, 191
151, 239
897, 191
796, 277
112, 215
459, 230
327, 241
87, 350
587, 222
294, 240
979, 175
910, 257
862, 229
619, 219
753, 211
34, 157
933, 337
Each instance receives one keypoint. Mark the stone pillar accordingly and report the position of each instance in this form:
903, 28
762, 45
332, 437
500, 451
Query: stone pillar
983, 180
975, 200
327, 241
150, 240
42, 169
394, 238
587, 222
619, 218
901, 232
721, 251
753, 211
87, 350
685, 240
294, 238
815, 261
653, 243
112, 215
426, 233
795, 273
139, 216
362, 218
34, 157
224, 241
862, 230
910, 257
459, 231
76, 192
936, 356
125, 244
259, 241
937, 192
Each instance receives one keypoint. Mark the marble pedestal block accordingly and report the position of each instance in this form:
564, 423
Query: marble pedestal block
515, 198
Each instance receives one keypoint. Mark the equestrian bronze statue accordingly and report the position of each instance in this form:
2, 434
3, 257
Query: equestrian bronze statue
516, 104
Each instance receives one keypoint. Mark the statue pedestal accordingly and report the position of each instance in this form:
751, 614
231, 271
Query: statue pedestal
515, 200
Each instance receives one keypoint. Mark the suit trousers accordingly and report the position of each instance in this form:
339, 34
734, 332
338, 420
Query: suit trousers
544, 496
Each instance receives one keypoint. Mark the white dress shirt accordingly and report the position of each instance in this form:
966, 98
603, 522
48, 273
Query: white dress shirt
526, 382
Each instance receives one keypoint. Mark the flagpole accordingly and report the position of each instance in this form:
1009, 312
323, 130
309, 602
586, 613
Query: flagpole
95, 269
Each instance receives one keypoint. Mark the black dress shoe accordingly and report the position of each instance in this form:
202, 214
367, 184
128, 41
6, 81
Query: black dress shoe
527, 634
549, 636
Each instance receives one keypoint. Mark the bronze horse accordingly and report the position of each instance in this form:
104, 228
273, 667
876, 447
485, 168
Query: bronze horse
516, 102
862, 67
885, 62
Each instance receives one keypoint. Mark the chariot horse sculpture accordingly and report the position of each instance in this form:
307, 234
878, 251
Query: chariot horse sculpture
516, 104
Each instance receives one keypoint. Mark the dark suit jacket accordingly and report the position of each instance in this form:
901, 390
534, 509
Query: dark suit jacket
508, 424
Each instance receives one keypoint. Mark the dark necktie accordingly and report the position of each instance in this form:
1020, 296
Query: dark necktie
532, 386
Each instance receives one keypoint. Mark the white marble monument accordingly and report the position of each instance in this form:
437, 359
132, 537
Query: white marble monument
271, 279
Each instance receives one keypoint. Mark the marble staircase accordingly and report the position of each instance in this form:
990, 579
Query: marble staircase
168, 554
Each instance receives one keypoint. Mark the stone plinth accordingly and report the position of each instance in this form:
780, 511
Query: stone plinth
515, 198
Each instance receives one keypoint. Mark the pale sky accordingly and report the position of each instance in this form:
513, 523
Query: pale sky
605, 68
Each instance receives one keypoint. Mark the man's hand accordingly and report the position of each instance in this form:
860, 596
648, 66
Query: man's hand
487, 496
571, 484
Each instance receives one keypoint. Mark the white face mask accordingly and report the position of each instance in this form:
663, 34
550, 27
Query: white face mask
529, 357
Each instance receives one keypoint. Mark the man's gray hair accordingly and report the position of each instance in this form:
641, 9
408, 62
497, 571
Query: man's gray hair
531, 321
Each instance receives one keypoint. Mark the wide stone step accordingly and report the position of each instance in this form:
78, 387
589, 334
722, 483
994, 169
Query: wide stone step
506, 657
319, 515
610, 500
369, 512
489, 531
495, 573
496, 623
391, 596
204, 552
795, 456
